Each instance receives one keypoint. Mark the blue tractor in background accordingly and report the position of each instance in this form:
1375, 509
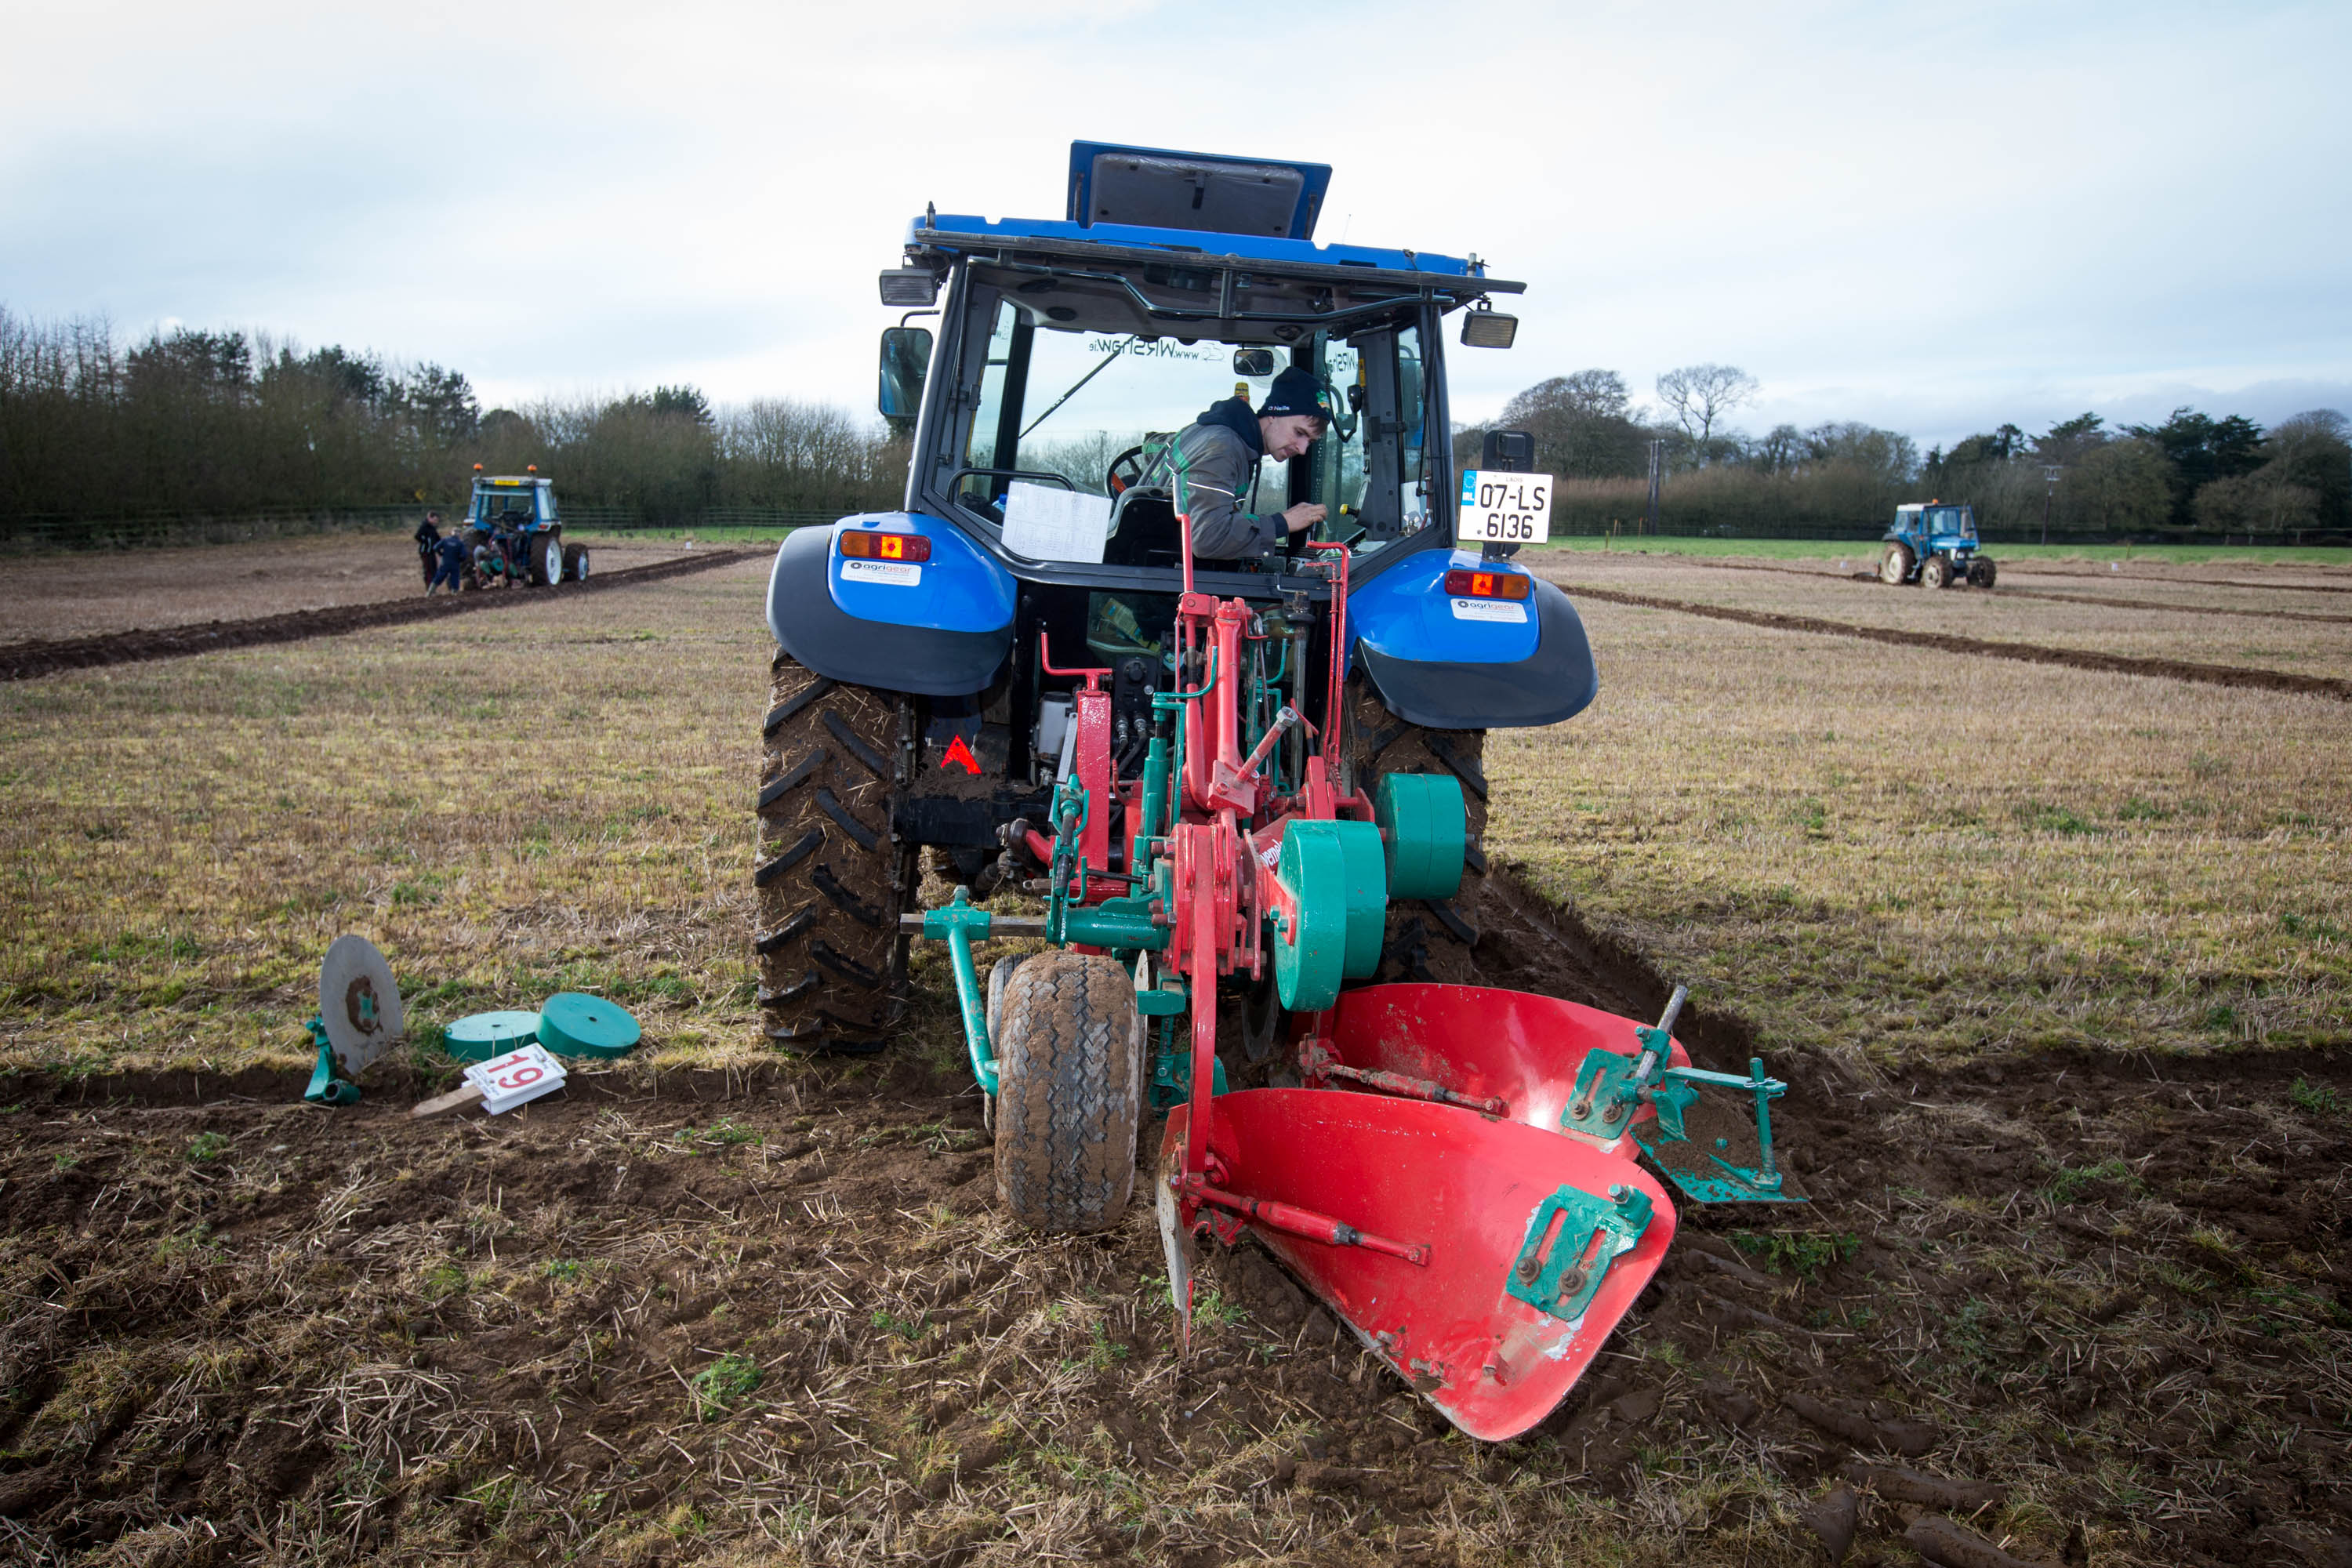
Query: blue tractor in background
1934, 544
936, 665
519, 534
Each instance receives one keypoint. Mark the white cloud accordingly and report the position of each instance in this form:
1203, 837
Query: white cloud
1930, 218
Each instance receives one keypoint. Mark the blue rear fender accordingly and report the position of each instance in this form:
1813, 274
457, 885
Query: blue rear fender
939, 628
1450, 661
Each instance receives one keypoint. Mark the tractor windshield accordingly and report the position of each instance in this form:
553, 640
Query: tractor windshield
1070, 400
509, 507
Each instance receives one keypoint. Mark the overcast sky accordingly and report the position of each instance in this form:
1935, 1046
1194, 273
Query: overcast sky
1932, 217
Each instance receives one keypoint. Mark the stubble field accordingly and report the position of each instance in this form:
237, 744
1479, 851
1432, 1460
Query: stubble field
2055, 960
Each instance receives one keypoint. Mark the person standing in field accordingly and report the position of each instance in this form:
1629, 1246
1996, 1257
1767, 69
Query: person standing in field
428, 546
449, 556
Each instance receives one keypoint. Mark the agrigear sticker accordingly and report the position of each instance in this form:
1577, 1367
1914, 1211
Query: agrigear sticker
1490, 610
896, 573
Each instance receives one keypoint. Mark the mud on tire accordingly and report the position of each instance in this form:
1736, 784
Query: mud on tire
1427, 939
1069, 1092
830, 880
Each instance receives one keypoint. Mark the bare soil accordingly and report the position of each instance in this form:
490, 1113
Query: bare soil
78, 594
25, 661
2031, 653
2095, 1310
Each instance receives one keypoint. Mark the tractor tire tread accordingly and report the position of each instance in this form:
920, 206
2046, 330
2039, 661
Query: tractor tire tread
1070, 1092
834, 879
784, 711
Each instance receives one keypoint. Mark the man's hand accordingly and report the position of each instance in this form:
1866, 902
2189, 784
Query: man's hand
1302, 517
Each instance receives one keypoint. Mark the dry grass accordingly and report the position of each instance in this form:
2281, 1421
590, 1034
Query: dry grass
1917, 855
554, 798
2302, 648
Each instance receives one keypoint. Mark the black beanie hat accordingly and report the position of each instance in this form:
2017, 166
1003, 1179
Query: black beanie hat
1296, 391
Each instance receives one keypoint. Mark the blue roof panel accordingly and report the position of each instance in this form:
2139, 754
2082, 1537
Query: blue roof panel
1195, 242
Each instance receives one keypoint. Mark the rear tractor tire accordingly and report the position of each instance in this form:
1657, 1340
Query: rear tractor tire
1894, 566
830, 880
1069, 1092
1427, 940
1936, 571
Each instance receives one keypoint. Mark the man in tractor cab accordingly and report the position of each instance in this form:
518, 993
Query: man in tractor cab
1222, 451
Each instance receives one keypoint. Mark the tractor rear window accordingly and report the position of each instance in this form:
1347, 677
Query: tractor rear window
1071, 403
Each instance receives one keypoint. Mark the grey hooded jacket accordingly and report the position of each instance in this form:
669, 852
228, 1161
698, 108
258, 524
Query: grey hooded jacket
1221, 456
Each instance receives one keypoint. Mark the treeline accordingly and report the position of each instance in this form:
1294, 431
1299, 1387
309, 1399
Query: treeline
2193, 473
215, 424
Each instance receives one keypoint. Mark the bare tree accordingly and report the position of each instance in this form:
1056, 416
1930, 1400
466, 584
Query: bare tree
1699, 394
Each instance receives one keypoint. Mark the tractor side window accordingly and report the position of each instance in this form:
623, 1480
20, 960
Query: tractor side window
1411, 403
980, 449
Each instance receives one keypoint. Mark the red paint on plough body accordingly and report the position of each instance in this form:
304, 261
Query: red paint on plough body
1464, 1187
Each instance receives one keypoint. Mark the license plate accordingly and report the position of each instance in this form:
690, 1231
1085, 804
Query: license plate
1503, 509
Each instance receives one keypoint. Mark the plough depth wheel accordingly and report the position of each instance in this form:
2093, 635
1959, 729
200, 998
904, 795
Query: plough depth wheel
1069, 1067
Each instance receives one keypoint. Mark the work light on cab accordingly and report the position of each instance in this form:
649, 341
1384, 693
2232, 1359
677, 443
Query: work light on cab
867, 545
1486, 584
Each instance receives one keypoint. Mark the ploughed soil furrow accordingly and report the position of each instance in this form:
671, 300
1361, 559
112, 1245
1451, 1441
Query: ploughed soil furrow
775, 1314
2028, 653
2013, 592
24, 661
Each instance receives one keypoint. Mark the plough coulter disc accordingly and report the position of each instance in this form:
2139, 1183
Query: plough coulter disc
359, 1003
1533, 1246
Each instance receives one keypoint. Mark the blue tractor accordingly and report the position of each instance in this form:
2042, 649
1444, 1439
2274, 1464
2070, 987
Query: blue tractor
939, 668
519, 534
1934, 544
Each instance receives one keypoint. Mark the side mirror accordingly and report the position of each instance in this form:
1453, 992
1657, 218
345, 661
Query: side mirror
906, 361
1255, 362
1509, 452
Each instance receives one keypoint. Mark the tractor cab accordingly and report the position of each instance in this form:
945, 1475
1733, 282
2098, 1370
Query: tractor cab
511, 503
1044, 403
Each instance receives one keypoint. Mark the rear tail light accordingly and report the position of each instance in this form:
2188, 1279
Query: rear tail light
866, 545
1486, 585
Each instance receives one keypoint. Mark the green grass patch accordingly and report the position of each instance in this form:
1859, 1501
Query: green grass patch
724, 1384
1804, 1253
207, 1146
2072, 1181
2317, 1098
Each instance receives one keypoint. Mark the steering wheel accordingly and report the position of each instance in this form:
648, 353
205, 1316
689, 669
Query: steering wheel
1126, 471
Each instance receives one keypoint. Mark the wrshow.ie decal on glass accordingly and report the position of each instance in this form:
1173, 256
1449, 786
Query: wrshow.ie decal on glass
1500, 508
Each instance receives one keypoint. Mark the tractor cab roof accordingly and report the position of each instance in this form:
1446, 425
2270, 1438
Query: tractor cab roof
510, 481
1155, 239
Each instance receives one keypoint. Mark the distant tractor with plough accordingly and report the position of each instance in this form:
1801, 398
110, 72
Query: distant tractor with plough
1247, 787
1934, 544
516, 534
